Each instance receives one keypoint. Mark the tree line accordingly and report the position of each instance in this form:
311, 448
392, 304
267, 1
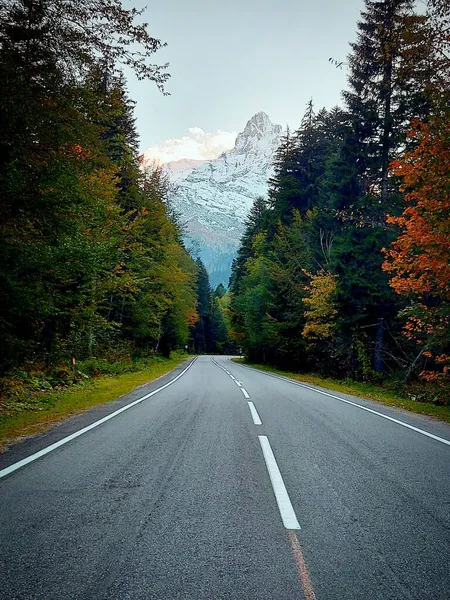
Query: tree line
344, 269
92, 260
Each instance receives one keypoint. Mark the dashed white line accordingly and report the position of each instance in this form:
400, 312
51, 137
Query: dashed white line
69, 438
236, 381
254, 413
369, 410
284, 503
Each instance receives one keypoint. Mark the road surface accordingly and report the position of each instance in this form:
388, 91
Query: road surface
229, 483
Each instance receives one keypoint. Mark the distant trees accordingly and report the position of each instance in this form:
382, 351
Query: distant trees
210, 332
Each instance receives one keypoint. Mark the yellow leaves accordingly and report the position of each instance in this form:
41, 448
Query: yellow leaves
319, 300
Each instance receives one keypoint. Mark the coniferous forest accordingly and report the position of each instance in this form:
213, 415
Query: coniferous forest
344, 270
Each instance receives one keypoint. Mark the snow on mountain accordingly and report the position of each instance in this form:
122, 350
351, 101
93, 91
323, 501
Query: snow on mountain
214, 197
180, 169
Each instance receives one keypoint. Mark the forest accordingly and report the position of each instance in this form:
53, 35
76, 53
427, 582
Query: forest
93, 266
344, 270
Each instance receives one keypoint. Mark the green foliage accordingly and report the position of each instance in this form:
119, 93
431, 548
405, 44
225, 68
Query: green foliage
91, 260
210, 332
307, 287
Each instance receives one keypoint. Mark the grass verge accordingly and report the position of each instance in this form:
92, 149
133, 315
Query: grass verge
56, 405
368, 391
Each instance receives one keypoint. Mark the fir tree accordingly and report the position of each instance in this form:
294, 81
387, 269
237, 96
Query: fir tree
202, 336
258, 220
384, 91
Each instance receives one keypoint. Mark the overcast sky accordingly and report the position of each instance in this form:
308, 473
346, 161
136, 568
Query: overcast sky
232, 58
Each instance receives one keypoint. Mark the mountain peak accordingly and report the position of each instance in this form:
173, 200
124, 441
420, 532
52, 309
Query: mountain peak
259, 129
260, 125
261, 119
214, 198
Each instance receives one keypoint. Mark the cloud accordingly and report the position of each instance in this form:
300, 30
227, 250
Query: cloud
196, 145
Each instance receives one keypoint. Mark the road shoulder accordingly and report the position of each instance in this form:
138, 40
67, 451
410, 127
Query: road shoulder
437, 419
55, 430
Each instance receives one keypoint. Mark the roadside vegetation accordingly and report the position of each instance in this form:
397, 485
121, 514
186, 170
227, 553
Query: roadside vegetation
94, 274
344, 270
33, 401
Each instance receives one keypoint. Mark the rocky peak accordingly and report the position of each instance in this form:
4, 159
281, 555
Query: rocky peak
259, 125
259, 129
213, 199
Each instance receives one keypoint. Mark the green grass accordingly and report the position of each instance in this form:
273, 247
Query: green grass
56, 405
376, 392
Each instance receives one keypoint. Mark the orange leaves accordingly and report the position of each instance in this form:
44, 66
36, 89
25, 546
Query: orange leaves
193, 318
420, 257
77, 151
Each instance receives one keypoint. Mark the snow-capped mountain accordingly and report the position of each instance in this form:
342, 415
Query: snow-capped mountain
214, 197
178, 170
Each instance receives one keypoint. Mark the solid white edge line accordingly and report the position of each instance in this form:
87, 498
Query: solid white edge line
244, 391
254, 413
282, 497
69, 438
370, 410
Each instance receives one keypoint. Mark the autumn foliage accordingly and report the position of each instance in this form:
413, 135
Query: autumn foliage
321, 309
419, 258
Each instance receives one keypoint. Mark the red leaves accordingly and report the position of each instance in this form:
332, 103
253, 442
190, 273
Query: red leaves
420, 257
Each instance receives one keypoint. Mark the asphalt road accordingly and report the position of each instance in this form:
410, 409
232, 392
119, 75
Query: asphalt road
186, 496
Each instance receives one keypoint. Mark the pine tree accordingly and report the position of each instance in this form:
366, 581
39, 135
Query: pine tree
284, 188
257, 221
202, 335
220, 291
384, 90
290, 260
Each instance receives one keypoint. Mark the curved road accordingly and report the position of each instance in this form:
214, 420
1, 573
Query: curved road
229, 483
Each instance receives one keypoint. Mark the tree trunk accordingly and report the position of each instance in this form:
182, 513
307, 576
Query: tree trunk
387, 98
48, 339
379, 342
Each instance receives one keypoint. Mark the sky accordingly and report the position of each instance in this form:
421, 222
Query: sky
230, 59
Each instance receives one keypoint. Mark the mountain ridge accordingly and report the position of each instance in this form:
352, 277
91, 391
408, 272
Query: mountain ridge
214, 198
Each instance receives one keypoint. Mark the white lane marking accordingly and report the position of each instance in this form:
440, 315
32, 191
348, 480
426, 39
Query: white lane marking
254, 412
284, 503
236, 381
370, 410
69, 438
